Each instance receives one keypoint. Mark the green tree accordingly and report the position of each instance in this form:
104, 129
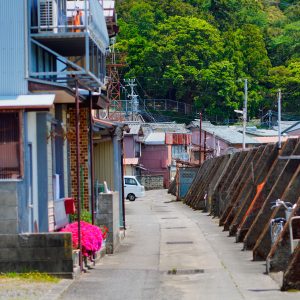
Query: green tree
287, 78
183, 47
286, 46
197, 50
233, 13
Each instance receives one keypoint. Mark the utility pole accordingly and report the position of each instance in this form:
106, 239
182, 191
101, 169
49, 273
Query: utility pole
200, 138
245, 113
78, 182
204, 145
279, 119
133, 96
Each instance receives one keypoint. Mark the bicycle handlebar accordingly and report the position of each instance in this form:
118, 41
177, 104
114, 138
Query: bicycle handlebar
278, 202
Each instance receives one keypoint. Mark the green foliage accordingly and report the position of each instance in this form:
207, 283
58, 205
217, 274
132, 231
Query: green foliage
30, 276
199, 51
287, 78
287, 45
84, 216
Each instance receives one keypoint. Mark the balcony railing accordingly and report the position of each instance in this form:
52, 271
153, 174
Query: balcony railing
59, 17
70, 42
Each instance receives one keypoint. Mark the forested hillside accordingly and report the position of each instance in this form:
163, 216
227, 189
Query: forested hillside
199, 51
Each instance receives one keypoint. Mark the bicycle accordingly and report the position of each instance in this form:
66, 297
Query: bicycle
277, 224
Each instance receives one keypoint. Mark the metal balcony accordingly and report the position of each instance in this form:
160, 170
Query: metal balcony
71, 39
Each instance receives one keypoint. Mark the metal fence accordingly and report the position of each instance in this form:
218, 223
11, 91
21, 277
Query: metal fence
157, 105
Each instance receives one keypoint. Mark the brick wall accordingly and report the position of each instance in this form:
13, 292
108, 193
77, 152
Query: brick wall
84, 154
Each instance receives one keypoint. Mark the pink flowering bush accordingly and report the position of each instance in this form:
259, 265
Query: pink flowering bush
91, 237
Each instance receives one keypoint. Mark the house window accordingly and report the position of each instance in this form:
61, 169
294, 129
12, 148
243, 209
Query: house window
177, 151
10, 148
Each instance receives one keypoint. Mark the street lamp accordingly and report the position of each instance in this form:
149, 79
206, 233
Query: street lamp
244, 112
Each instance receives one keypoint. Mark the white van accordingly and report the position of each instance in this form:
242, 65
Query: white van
132, 188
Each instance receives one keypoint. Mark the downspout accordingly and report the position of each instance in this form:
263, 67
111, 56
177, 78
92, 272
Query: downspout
78, 174
122, 180
92, 160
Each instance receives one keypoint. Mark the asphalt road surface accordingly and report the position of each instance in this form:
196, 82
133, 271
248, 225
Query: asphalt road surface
173, 252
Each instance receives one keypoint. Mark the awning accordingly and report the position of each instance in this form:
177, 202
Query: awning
44, 101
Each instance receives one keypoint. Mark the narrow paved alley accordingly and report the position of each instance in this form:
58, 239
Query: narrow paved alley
173, 252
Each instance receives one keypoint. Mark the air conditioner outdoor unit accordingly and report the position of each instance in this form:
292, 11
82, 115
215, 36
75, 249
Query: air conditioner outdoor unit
48, 19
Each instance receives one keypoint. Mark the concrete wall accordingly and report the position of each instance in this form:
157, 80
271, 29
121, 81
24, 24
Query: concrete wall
152, 182
46, 252
108, 215
9, 208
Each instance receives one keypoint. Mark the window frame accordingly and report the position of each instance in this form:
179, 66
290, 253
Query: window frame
20, 144
131, 179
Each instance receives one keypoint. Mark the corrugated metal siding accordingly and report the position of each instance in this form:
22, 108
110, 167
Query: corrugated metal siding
104, 163
178, 138
12, 54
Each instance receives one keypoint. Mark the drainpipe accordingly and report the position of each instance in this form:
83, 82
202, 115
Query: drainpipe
78, 174
122, 185
92, 160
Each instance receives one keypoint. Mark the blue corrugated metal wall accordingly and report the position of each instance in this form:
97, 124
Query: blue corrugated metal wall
186, 177
12, 54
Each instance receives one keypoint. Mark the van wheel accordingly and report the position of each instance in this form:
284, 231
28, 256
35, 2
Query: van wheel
131, 197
